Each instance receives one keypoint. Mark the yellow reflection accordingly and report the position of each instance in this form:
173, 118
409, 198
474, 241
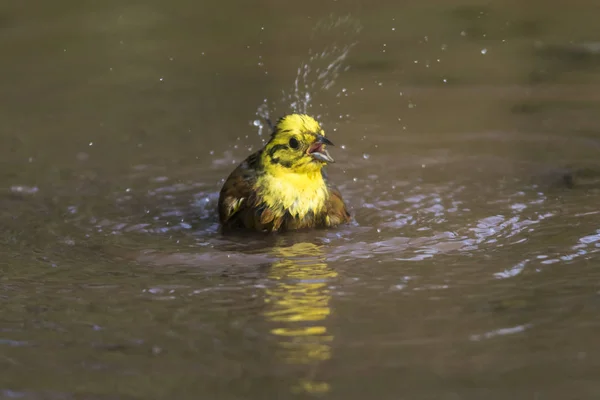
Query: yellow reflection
299, 305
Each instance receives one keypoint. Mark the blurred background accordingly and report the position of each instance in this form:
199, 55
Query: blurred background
467, 139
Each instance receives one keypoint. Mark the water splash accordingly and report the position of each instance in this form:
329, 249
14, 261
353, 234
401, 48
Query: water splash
263, 113
318, 73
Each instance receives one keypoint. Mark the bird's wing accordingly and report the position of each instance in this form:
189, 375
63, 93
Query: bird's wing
337, 212
237, 193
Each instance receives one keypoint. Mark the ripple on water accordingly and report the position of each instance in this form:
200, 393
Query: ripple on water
396, 220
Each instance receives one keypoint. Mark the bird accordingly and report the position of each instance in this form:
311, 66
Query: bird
283, 186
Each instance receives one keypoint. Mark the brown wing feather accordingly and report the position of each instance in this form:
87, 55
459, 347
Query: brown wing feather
237, 196
266, 216
336, 208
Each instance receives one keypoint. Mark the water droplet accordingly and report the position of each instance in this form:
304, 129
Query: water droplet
483, 51
393, 29
366, 156
161, 79
378, 230
91, 144
444, 80
24, 189
355, 179
343, 147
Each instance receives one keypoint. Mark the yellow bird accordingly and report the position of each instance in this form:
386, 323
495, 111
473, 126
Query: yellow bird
282, 186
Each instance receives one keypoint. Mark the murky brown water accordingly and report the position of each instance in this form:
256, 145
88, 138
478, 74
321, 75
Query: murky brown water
467, 146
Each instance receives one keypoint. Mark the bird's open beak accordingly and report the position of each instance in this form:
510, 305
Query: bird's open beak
317, 150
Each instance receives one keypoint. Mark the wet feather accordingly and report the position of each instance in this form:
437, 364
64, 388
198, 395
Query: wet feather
282, 186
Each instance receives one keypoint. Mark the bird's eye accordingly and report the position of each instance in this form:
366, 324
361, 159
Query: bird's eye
293, 143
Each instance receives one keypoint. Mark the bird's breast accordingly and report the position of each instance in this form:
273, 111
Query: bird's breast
295, 194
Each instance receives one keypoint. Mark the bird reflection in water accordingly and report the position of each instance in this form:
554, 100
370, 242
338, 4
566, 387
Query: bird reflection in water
298, 303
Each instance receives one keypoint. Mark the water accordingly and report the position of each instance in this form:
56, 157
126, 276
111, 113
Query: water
467, 149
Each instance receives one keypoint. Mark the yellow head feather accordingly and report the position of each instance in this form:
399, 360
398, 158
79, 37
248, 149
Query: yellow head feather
292, 145
298, 123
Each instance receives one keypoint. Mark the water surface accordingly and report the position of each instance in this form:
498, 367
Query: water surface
466, 146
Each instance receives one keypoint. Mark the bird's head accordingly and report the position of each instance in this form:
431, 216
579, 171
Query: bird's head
297, 145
